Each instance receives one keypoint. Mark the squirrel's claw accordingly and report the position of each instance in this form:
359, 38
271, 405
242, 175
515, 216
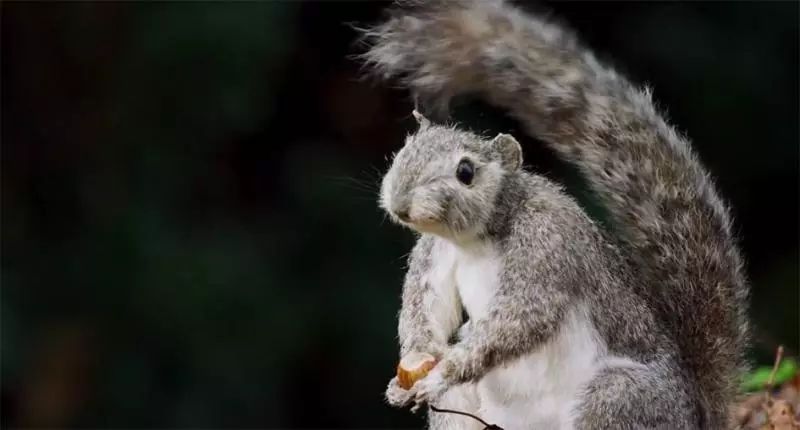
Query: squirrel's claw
429, 389
397, 396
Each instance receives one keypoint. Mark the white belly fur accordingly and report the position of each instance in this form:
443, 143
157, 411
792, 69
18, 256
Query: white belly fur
540, 389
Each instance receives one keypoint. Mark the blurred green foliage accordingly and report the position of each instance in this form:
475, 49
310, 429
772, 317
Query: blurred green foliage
190, 234
759, 378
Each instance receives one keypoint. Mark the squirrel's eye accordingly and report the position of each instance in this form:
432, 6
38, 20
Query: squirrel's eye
465, 171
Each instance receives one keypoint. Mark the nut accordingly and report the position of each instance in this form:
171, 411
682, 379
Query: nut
413, 367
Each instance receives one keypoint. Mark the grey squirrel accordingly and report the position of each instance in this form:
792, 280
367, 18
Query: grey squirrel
569, 325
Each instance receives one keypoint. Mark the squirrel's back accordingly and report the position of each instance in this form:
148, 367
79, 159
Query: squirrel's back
663, 206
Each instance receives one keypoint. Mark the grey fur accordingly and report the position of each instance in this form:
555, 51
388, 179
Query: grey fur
668, 289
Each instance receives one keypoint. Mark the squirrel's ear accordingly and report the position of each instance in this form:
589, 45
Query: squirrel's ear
509, 149
421, 120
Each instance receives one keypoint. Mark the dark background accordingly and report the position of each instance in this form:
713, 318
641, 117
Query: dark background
190, 234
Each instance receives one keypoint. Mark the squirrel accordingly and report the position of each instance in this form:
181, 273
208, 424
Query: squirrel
569, 324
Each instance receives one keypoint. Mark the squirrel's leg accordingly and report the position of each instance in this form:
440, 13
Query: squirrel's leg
638, 396
462, 398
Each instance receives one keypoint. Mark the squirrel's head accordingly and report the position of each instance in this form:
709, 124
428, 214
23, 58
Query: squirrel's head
445, 181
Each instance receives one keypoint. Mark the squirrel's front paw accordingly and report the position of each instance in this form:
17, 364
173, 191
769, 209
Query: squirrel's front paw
397, 396
429, 389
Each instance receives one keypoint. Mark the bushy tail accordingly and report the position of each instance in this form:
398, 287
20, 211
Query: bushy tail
662, 202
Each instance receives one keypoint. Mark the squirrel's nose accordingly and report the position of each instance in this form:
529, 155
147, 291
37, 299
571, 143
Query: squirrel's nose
402, 214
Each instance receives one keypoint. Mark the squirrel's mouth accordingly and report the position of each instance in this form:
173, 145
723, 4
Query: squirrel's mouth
427, 225
415, 216
424, 218
420, 218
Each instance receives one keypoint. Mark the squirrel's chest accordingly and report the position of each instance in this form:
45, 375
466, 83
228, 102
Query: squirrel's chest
473, 272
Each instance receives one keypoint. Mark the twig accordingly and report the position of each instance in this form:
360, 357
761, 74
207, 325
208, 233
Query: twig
771, 380
487, 426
